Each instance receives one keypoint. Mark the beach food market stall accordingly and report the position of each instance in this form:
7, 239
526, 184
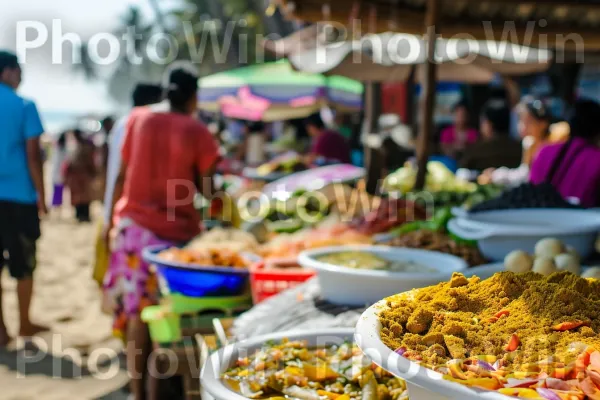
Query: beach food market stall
440, 19
466, 328
477, 334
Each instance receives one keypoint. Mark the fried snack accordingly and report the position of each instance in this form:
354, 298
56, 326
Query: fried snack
438, 241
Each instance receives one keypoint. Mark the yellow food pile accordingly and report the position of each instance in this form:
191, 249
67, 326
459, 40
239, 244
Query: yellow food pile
519, 318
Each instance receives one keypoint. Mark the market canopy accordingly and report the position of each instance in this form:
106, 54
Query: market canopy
391, 56
559, 23
273, 91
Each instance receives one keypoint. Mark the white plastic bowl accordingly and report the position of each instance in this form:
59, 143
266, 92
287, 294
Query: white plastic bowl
219, 362
500, 232
422, 383
359, 287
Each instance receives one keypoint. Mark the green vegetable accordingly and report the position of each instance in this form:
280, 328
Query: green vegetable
408, 227
299, 192
459, 240
286, 226
437, 223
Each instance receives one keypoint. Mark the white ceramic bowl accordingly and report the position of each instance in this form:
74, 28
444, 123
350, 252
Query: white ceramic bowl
220, 361
422, 383
500, 232
359, 287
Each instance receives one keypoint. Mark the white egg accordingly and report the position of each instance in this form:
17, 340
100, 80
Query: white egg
566, 262
518, 262
592, 273
544, 266
571, 250
548, 248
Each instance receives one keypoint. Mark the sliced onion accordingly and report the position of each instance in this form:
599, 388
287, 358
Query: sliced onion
485, 365
558, 384
548, 394
521, 383
401, 350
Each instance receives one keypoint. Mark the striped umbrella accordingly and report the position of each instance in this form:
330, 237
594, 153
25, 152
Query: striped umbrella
276, 91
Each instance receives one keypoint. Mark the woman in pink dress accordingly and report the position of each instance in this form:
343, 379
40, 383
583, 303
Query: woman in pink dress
573, 168
166, 156
454, 139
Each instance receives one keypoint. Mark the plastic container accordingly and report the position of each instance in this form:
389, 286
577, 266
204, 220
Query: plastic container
222, 360
269, 282
499, 232
181, 304
358, 287
164, 324
197, 280
422, 383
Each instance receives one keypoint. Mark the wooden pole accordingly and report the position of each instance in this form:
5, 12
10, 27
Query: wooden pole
373, 161
427, 94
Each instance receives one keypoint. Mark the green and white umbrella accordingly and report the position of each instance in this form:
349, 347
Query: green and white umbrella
272, 90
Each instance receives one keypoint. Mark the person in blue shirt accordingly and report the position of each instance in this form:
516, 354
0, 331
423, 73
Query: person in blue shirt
22, 197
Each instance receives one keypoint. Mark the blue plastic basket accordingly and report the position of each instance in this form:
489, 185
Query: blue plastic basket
197, 280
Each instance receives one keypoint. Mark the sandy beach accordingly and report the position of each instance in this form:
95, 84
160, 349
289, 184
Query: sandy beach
80, 347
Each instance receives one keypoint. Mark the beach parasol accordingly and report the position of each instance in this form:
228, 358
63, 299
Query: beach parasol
273, 91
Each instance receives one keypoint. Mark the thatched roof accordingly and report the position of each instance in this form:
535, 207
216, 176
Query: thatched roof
549, 17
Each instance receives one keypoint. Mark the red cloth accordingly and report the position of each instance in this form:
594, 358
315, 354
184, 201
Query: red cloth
332, 146
165, 154
449, 136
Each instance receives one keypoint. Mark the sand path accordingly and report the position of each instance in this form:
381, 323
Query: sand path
68, 300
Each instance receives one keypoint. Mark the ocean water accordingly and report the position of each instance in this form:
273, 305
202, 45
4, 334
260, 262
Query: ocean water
58, 121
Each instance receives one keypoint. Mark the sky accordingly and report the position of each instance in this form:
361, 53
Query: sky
61, 90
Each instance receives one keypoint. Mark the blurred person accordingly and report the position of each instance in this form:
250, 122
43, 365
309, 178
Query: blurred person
143, 95
326, 143
57, 161
533, 127
101, 157
22, 195
454, 139
343, 122
252, 148
573, 167
107, 124
80, 171
534, 130
495, 148
165, 150
397, 146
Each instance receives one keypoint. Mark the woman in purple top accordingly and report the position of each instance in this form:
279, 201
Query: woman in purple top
573, 167
326, 143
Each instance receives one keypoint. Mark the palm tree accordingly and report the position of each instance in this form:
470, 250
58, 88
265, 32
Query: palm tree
235, 25
134, 65
86, 66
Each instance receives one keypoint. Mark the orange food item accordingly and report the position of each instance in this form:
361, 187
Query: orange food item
208, 257
520, 392
567, 326
484, 383
513, 343
502, 313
